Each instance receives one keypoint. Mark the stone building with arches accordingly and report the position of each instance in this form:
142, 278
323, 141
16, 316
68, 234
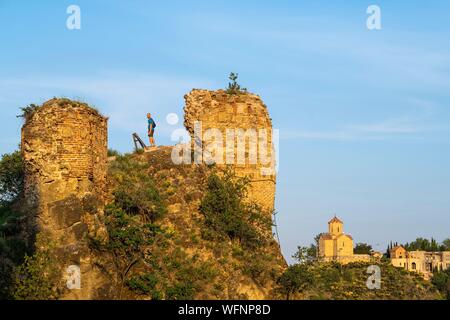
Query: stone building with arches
422, 262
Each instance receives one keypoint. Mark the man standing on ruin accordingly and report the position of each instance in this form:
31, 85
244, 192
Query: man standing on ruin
151, 129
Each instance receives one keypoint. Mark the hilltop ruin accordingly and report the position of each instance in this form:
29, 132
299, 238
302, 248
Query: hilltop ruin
64, 146
245, 126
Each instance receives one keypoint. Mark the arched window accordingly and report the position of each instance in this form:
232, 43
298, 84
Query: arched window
413, 266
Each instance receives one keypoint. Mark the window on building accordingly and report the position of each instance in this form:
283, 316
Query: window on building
413, 266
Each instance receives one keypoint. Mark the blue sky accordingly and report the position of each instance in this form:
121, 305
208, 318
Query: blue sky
364, 116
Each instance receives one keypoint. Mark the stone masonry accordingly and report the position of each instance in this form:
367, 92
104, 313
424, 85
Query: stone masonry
64, 145
222, 111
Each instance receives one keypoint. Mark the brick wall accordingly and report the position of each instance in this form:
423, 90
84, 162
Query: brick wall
64, 145
219, 110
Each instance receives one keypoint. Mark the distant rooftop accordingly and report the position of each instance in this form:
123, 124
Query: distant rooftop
335, 219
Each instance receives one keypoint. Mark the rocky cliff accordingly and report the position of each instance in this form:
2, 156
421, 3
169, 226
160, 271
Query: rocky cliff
140, 227
188, 257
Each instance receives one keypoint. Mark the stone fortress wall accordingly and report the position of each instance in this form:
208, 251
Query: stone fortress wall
222, 111
64, 146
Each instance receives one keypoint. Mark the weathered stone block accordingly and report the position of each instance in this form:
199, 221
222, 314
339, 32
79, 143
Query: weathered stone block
66, 212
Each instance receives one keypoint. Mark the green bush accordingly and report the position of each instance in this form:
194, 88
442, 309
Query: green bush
295, 279
305, 254
362, 248
146, 284
136, 192
12, 248
233, 87
28, 111
172, 276
131, 222
36, 277
426, 245
11, 176
441, 280
6, 215
113, 153
181, 291
229, 215
128, 238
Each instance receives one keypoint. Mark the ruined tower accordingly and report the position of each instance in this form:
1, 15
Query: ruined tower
64, 146
242, 120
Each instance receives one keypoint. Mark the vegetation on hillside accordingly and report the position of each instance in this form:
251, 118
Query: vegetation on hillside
317, 281
183, 232
35, 278
11, 177
441, 279
422, 244
24, 275
362, 248
12, 247
113, 153
155, 255
227, 216
428, 245
308, 254
168, 256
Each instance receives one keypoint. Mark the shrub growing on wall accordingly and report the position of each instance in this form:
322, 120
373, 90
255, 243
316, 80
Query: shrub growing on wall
228, 215
234, 87
128, 237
